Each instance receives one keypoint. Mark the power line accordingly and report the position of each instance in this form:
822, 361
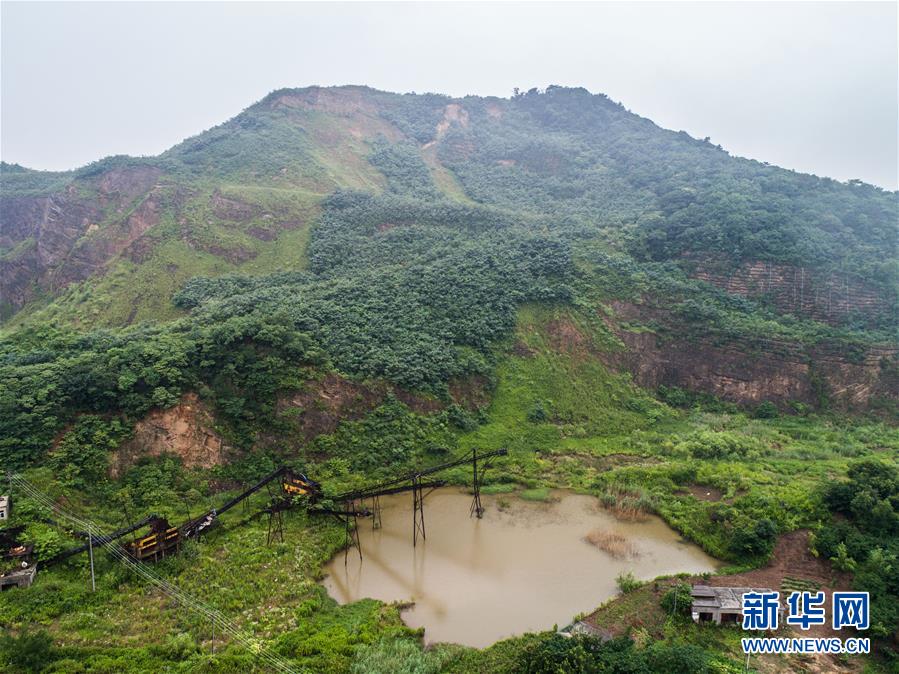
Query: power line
162, 584
216, 617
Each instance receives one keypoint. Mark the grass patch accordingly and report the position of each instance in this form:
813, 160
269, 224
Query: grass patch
541, 494
627, 502
502, 488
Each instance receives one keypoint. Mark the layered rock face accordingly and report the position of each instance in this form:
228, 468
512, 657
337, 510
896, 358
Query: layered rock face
827, 297
749, 373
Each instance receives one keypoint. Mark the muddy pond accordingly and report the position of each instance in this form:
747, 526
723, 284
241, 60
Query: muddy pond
524, 567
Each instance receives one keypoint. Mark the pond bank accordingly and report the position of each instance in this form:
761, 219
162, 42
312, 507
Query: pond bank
525, 566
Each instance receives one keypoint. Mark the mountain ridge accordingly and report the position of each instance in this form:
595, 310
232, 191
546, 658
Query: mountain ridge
612, 205
14, 167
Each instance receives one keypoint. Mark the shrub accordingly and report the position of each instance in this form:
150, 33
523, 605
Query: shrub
552, 653
678, 599
766, 410
676, 658
627, 582
538, 413
842, 561
716, 445
81, 459
754, 540
46, 539
29, 652
674, 396
555, 653
461, 418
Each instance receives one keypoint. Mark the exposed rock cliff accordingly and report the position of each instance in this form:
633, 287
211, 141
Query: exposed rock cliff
65, 237
185, 430
751, 373
831, 298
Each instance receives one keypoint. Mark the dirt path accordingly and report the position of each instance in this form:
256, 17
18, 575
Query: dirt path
792, 559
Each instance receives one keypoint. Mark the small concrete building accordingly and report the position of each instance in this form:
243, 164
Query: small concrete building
21, 578
720, 604
17, 568
4, 508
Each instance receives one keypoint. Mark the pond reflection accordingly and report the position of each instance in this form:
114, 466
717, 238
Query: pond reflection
524, 567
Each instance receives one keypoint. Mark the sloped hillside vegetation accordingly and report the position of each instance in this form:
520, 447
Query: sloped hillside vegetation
354, 282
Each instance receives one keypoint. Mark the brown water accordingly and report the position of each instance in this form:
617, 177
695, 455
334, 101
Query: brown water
523, 567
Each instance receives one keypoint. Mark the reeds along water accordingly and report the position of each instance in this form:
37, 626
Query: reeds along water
628, 503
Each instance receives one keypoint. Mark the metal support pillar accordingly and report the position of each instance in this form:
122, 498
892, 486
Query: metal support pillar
351, 534
418, 510
476, 507
376, 512
275, 526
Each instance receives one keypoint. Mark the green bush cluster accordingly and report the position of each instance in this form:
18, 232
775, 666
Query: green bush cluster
27, 652
391, 435
864, 538
49, 376
627, 582
417, 303
553, 654
678, 599
81, 459
716, 445
404, 168
700, 310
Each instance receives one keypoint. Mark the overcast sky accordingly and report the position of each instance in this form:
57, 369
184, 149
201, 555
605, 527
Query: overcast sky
810, 86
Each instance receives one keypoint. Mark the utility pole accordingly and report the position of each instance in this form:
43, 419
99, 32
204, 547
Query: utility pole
90, 550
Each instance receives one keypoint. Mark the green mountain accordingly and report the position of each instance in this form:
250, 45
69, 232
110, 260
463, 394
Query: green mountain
354, 281
399, 234
237, 197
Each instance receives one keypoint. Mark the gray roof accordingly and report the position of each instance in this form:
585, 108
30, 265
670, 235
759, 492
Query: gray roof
724, 598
